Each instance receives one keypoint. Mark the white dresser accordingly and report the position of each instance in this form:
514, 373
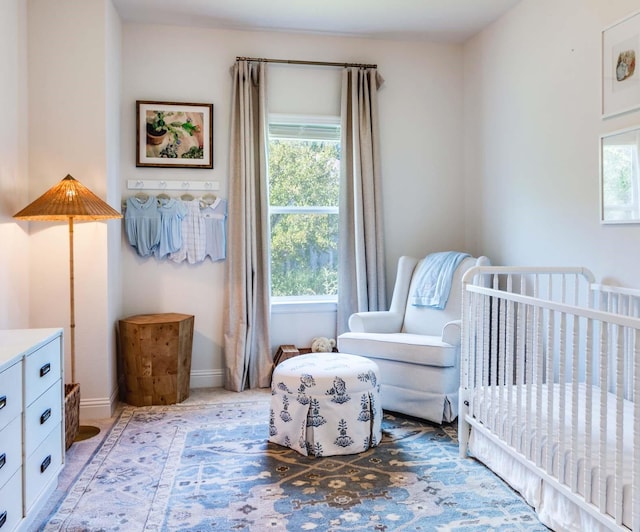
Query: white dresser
31, 422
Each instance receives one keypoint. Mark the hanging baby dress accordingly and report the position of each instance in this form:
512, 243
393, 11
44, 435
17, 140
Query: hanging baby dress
142, 223
193, 235
214, 216
172, 212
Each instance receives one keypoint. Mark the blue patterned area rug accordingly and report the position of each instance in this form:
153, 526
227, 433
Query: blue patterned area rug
210, 468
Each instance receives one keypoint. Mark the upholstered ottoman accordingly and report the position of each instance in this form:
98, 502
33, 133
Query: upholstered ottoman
326, 404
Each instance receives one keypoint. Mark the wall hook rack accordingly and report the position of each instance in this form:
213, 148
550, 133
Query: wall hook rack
175, 184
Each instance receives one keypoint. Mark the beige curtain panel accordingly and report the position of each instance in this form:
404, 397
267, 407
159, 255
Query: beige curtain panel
361, 271
247, 349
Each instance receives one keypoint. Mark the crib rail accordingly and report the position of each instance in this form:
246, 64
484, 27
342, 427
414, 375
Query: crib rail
550, 370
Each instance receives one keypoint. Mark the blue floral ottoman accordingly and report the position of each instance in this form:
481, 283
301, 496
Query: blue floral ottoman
326, 404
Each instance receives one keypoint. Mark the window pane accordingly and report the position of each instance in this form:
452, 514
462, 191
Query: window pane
304, 254
620, 186
304, 172
304, 181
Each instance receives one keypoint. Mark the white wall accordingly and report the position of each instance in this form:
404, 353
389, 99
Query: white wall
421, 114
113, 87
72, 130
14, 265
532, 125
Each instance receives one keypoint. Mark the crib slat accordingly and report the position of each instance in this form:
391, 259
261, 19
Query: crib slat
509, 369
635, 480
588, 444
539, 382
562, 400
573, 441
488, 347
475, 353
528, 417
528, 371
619, 359
550, 395
602, 448
520, 354
496, 317
504, 317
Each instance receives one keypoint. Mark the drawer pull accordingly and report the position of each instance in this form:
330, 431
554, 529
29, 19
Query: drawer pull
45, 415
45, 369
3, 459
45, 463
3, 518
3, 402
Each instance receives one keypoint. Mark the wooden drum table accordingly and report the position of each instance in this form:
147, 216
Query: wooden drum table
156, 358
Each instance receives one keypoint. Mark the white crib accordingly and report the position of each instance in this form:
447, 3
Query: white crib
550, 392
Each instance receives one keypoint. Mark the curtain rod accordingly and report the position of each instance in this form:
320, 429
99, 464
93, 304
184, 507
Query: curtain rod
315, 63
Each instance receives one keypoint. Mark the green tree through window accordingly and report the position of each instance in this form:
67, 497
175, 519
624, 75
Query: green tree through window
620, 185
304, 171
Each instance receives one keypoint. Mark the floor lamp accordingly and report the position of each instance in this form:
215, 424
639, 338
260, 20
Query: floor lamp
69, 201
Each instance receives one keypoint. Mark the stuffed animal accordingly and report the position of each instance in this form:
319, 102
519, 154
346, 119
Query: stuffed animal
322, 345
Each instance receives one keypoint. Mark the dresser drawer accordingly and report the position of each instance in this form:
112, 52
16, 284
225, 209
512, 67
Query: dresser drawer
11, 502
10, 393
41, 417
10, 450
42, 466
41, 370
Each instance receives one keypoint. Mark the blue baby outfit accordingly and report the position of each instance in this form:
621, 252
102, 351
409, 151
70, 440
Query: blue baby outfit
193, 235
172, 212
143, 224
214, 217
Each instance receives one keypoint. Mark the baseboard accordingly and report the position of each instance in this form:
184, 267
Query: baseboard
207, 378
104, 407
99, 407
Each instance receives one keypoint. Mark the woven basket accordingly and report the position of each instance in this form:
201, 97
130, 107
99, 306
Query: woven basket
71, 412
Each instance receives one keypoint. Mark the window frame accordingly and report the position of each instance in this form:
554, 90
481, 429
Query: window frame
626, 138
303, 303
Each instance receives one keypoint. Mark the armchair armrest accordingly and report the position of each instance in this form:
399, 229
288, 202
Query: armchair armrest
452, 332
382, 321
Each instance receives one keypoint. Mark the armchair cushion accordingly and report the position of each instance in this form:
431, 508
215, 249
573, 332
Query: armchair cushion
420, 349
375, 322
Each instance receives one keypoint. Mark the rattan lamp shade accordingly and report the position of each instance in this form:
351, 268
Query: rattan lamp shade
68, 199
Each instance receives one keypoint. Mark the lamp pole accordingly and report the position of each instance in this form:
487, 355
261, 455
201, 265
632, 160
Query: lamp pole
72, 312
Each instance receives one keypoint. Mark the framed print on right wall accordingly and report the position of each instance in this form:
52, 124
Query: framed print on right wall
620, 68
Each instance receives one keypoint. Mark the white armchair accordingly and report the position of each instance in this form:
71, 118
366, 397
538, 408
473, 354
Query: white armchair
416, 348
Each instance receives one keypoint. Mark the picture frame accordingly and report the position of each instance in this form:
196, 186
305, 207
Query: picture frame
174, 135
620, 176
621, 66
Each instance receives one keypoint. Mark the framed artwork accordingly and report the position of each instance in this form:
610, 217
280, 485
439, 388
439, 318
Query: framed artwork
620, 67
174, 135
620, 176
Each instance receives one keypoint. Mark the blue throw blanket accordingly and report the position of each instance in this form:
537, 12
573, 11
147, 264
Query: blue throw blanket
434, 279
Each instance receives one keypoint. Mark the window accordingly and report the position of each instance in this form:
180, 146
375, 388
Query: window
304, 179
621, 177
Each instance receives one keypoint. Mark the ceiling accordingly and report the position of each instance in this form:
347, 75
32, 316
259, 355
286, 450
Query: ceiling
450, 21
